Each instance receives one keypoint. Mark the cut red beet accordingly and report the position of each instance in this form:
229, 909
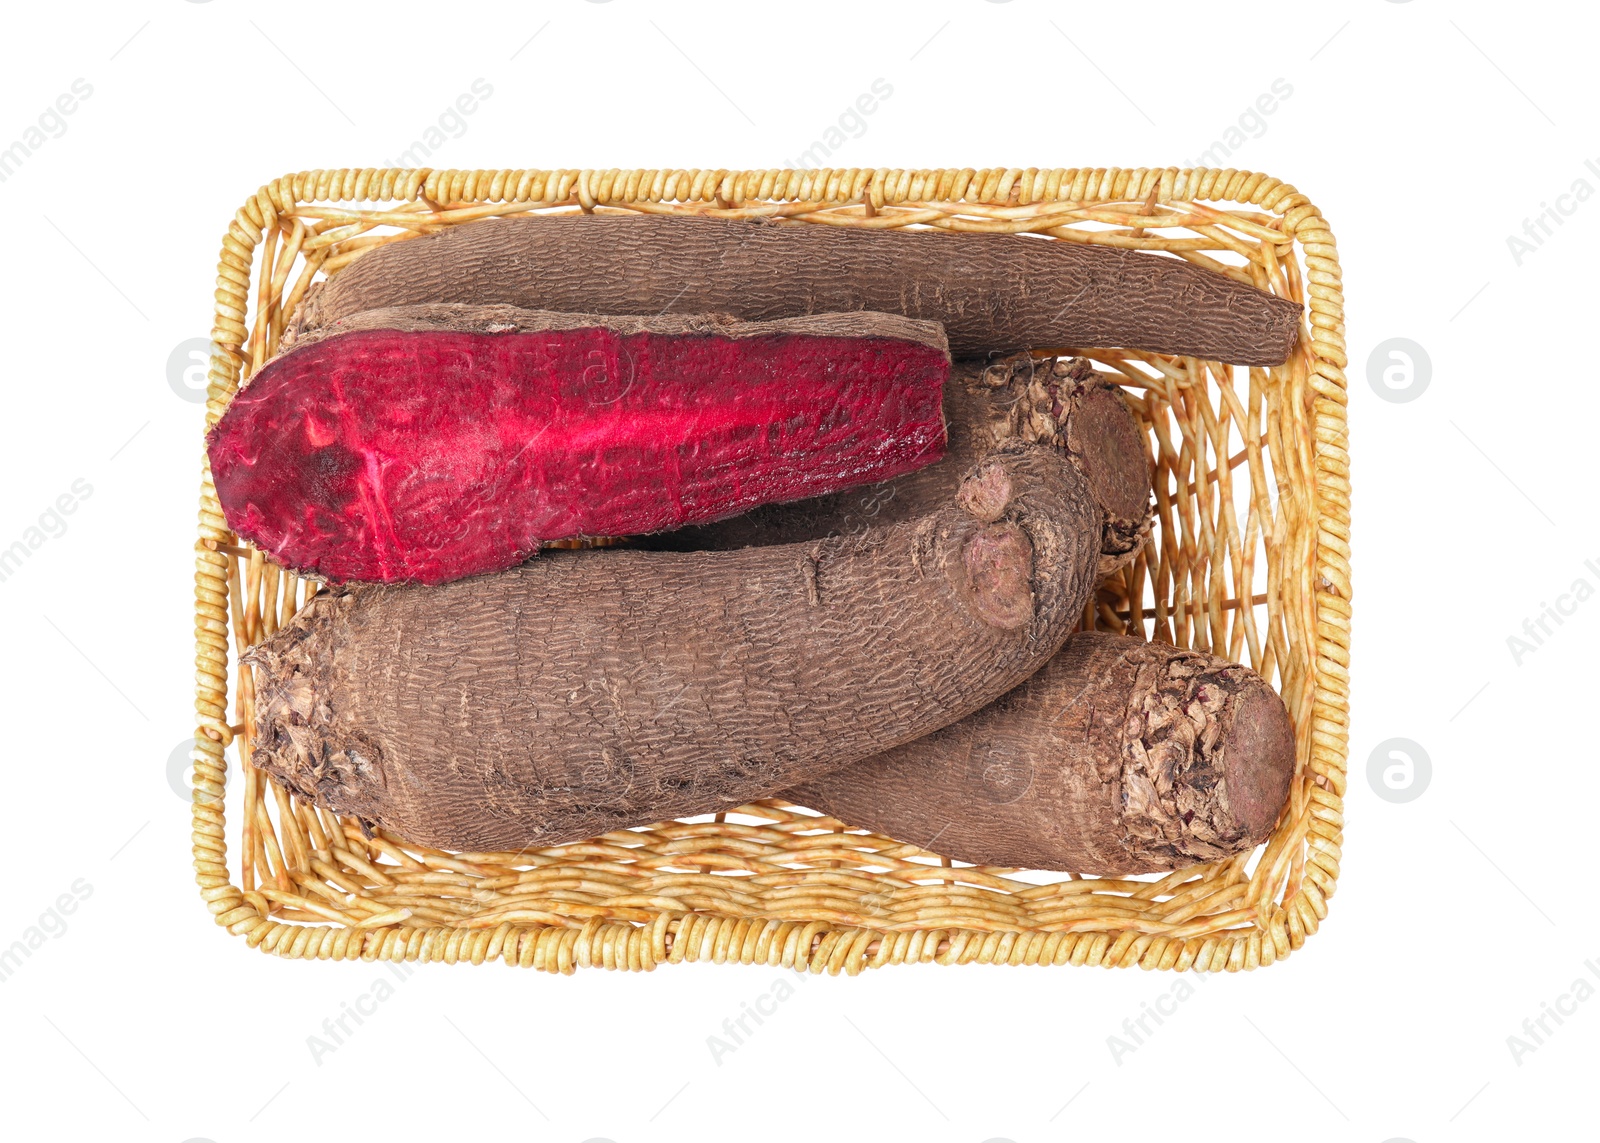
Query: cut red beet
429, 443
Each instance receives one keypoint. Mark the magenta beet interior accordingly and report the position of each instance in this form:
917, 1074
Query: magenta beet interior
390, 456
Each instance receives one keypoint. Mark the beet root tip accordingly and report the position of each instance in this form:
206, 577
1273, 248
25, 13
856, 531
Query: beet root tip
987, 491
999, 567
1258, 759
299, 742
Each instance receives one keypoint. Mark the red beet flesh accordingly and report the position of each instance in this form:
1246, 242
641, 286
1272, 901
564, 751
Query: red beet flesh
389, 456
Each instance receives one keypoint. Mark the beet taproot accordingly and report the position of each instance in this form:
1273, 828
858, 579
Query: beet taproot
1118, 757
1062, 403
991, 292
590, 691
429, 443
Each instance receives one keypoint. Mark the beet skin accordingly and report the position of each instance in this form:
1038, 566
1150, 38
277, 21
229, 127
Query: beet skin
428, 443
586, 692
1119, 757
991, 292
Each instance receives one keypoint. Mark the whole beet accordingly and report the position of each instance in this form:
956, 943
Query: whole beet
1118, 757
590, 691
991, 292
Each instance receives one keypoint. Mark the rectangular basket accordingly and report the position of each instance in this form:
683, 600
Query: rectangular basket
1252, 565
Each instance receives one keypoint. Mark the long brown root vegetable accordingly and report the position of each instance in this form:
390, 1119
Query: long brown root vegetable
434, 442
1061, 403
992, 292
1118, 757
590, 691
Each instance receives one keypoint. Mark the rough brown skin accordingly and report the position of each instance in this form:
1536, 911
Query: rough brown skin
1052, 401
992, 292
1119, 757
590, 691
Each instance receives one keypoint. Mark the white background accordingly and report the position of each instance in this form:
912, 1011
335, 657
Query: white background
1426, 132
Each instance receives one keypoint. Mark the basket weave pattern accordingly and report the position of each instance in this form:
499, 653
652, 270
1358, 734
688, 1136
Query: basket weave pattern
1249, 559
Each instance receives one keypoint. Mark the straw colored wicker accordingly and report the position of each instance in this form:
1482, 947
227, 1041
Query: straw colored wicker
1249, 559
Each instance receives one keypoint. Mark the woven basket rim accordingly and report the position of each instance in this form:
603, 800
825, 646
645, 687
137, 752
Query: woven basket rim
998, 193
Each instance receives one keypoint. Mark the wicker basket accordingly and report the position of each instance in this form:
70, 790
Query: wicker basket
1249, 560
